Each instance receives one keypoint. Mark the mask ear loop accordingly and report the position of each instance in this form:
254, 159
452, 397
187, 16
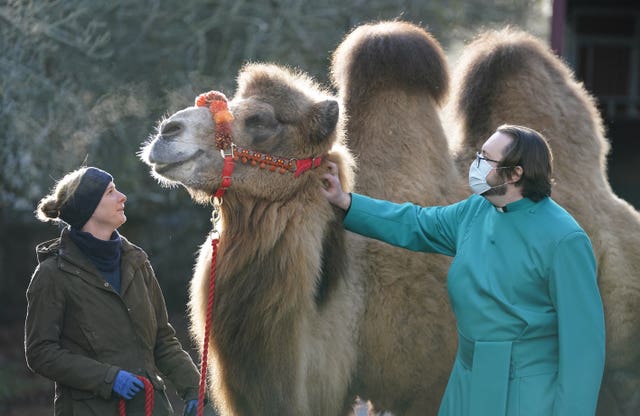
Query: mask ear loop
515, 168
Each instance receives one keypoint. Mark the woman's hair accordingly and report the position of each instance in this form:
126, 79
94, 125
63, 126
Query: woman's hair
528, 149
49, 207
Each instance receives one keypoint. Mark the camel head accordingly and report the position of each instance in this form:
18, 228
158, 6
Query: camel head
278, 115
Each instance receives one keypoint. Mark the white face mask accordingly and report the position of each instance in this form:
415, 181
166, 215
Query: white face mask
478, 173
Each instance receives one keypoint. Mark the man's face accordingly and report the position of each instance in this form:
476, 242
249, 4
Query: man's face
494, 149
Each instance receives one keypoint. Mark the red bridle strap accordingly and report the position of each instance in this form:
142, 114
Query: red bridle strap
306, 164
217, 104
274, 163
227, 170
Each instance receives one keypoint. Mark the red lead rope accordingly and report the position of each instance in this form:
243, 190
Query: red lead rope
148, 399
227, 170
207, 326
216, 102
148, 387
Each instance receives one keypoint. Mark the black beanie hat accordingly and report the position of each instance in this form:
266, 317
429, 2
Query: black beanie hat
80, 206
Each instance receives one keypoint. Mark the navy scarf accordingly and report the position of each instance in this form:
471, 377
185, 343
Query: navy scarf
105, 255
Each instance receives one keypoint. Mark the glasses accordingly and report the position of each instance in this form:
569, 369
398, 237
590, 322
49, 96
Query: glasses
479, 157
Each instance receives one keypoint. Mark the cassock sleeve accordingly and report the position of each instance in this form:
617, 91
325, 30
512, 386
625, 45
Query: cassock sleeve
428, 229
575, 295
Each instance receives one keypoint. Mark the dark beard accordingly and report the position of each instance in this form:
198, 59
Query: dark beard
499, 190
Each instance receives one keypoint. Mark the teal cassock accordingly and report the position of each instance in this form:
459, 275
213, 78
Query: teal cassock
523, 288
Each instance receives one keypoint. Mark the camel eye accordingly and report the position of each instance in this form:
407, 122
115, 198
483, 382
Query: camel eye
254, 121
261, 126
170, 129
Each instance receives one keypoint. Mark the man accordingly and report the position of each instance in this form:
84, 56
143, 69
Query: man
522, 283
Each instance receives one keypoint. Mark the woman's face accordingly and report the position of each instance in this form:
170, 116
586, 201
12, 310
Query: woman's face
110, 211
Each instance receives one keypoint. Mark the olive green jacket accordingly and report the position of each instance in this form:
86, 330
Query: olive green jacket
80, 332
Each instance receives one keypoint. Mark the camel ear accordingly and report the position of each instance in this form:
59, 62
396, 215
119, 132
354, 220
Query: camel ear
323, 119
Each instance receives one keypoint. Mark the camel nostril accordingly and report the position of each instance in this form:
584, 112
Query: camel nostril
170, 129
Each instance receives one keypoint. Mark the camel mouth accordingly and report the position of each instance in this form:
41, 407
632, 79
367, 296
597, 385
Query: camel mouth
161, 168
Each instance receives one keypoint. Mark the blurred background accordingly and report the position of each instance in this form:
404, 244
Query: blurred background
85, 83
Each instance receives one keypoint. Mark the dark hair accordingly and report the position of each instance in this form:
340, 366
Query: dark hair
75, 197
49, 207
528, 149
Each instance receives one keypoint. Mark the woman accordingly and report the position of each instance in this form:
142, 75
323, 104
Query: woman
96, 317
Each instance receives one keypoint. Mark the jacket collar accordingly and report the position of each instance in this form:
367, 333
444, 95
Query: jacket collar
70, 252
71, 259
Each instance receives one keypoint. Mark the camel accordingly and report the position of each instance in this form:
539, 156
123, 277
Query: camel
509, 76
307, 316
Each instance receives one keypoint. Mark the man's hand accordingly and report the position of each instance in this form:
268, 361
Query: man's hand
333, 188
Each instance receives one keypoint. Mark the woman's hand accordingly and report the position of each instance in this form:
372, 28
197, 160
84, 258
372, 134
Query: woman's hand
127, 385
333, 188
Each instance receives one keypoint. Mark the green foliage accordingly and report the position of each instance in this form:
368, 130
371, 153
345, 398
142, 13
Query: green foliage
17, 384
84, 82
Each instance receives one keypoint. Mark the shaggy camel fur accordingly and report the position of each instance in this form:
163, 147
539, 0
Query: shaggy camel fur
511, 77
288, 300
306, 316
391, 79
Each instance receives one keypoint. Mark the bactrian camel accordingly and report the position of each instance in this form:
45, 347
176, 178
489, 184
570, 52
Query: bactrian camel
307, 316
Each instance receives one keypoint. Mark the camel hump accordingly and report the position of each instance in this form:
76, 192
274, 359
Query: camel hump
511, 76
508, 61
389, 55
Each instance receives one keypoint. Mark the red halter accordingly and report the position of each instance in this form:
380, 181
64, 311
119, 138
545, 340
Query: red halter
217, 104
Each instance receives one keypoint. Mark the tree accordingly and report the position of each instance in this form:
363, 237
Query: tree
84, 82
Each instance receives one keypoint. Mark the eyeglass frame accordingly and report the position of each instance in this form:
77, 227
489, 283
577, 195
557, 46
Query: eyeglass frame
479, 157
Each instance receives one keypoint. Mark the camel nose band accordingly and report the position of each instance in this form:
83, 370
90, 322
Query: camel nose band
217, 104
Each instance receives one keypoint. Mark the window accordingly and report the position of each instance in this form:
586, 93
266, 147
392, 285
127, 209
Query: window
605, 52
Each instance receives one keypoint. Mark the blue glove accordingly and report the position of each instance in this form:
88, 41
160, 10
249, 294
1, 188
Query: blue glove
127, 385
191, 407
